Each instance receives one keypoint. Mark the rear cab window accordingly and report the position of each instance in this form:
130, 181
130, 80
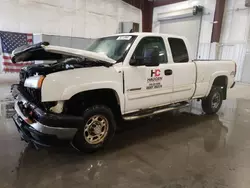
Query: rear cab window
179, 50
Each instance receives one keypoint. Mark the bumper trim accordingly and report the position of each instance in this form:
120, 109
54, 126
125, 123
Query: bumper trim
46, 118
62, 133
31, 135
62, 130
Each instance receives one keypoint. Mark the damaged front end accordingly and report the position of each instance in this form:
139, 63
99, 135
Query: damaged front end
37, 125
55, 59
45, 123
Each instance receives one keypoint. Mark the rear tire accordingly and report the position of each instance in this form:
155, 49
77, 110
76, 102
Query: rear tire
212, 103
98, 129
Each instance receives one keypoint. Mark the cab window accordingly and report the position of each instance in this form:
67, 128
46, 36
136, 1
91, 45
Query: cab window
146, 46
179, 50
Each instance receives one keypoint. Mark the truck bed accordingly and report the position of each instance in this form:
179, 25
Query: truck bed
208, 70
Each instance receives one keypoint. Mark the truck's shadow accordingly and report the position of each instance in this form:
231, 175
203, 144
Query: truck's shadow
136, 132
131, 133
164, 128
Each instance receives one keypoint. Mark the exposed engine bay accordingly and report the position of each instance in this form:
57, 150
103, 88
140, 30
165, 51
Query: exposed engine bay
58, 58
67, 63
60, 65
55, 59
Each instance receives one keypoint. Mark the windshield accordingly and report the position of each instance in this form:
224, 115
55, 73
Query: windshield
115, 47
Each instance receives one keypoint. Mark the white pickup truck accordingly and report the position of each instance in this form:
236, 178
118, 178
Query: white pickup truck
80, 95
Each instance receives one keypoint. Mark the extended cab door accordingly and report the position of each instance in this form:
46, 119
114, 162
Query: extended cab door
147, 86
184, 70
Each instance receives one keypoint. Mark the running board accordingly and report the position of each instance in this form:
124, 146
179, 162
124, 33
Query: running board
155, 111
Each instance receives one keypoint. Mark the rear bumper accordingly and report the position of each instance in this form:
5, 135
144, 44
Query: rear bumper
38, 126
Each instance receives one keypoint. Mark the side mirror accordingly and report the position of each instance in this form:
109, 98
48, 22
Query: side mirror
136, 61
151, 58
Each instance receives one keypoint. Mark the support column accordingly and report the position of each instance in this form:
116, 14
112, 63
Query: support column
147, 16
217, 25
147, 12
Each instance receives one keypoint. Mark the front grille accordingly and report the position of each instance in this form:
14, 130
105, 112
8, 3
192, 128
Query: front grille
22, 76
35, 94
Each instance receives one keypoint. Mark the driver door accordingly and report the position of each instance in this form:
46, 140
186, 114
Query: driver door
148, 86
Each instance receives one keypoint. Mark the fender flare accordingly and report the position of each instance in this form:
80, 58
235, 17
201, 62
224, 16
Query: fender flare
73, 90
213, 77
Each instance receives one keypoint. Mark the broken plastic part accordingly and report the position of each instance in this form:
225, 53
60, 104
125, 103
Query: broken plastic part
58, 108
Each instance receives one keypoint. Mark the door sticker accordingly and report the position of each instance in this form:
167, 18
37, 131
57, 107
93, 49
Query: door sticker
124, 38
155, 79
155, 73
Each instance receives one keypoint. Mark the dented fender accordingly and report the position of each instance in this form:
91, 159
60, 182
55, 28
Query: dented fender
61, 86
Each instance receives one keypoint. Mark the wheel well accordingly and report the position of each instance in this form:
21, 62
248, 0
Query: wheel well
79, 102
222, 81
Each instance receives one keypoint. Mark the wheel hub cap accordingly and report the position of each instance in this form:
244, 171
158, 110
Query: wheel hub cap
216, 100
96, 129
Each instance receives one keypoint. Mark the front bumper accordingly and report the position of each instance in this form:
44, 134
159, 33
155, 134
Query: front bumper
38, 126
29, 134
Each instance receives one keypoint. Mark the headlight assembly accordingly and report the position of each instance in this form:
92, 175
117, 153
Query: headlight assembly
34, 82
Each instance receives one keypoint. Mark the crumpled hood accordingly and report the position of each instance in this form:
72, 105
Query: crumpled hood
45, 51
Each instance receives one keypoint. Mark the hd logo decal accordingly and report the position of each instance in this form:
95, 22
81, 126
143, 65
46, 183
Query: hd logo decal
155, 73
155, 79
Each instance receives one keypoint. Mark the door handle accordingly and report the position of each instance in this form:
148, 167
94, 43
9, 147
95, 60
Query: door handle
168, 72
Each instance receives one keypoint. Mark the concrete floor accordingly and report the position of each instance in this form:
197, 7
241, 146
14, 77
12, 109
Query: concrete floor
182, 149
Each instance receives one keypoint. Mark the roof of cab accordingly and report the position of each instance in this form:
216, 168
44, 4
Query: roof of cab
144, 34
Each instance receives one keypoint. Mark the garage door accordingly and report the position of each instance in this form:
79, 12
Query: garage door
188, 27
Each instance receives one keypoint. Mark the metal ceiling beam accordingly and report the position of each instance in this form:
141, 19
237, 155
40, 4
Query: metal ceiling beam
158, 3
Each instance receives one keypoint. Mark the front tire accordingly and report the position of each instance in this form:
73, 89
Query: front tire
98, 129
212, 103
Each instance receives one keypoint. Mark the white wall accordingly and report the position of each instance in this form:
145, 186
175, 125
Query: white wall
235, 28
235, 22
78, 18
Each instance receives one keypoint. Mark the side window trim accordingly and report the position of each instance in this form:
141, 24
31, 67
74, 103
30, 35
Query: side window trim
165, 50
184, 48
163, 43
168, 49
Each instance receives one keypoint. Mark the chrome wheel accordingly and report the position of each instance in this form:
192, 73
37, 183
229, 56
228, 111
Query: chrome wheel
96, 129
216, 99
